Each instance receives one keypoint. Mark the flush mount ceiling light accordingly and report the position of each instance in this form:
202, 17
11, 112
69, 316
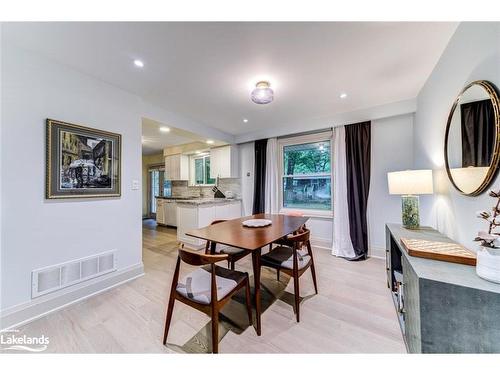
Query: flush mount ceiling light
139, 63
245, 120
343, 95
262, 93
164, 129
210, 142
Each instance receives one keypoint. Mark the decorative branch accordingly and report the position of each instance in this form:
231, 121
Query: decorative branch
490, 238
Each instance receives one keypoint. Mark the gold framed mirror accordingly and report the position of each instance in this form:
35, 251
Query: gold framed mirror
472, 138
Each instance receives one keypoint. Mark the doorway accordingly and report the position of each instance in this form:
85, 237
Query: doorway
156, 177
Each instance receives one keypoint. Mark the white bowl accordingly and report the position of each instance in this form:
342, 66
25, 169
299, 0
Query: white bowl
257, 223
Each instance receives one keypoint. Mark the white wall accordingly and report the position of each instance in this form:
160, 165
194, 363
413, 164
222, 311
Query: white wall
473, 53
37, 232
392, 150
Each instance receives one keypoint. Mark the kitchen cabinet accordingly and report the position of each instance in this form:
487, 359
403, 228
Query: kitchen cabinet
160, 211
176, 167
224, 162
166, 212
170, 210
193, 216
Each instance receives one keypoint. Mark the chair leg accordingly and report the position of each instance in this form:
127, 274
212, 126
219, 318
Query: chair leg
232, 265
297, 296
215, 330
313, 269
278, 274
168, 318
249, 301
313, 272
228, 263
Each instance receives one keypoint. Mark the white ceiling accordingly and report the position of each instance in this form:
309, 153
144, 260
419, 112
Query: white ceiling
154, 140
205, 71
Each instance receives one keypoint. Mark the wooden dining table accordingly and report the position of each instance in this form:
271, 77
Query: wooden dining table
233, 233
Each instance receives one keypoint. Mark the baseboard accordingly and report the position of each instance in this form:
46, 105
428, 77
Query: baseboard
26, 312
321, 243
377, 252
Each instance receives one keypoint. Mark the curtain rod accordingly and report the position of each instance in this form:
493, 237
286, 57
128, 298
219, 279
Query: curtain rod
324, 130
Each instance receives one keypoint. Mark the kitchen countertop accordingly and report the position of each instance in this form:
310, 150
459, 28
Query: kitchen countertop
200, 201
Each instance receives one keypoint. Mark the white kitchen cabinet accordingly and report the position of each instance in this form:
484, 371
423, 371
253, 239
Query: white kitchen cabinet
224, 162
193, 216
170, 209
160, 211
176, 167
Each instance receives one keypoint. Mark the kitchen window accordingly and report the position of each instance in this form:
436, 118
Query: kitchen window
202, 171
306, 174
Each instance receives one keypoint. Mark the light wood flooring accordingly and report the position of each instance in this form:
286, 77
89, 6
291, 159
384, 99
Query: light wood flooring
353, 312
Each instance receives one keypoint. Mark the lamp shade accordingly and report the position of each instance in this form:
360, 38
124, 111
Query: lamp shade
410, 182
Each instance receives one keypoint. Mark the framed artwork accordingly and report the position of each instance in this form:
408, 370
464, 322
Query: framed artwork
81, 162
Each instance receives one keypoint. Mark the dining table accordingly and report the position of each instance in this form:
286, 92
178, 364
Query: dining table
253, 239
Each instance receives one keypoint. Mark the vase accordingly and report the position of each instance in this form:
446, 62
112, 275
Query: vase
488, 264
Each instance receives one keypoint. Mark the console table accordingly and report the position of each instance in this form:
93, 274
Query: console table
445, 307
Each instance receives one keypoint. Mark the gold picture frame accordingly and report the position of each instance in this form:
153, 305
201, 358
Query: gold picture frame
81, 162
492, 91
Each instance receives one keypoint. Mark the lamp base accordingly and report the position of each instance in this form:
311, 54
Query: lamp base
410, 214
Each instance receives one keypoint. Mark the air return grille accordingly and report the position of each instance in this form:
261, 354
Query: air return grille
50, 279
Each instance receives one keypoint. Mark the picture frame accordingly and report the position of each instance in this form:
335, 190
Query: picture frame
81, 162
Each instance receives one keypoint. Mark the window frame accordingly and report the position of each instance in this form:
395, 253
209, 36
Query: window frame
297, 140
192, 163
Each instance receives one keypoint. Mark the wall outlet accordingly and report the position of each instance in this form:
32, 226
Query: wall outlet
135, 184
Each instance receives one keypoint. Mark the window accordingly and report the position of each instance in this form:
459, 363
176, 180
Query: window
202, 171
306, 180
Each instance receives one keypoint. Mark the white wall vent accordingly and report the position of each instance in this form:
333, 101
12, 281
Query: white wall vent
49, 279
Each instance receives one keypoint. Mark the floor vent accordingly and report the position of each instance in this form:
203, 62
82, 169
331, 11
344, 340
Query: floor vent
49, 279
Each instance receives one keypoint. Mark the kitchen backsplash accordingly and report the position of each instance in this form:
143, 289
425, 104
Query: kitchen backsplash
181, 188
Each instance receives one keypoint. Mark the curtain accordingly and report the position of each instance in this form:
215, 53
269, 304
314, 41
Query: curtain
358, 155
259, 191
342, 245
478, 133
271, 180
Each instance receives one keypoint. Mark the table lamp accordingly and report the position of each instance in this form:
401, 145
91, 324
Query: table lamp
410, 184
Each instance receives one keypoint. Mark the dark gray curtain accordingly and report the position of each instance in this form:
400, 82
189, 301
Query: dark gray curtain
259, 191
478, 133
358, 150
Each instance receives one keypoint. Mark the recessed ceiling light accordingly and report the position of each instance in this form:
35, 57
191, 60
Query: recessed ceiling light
343, 95
210, 142
197, 152
139, 63
245, 120
164, 129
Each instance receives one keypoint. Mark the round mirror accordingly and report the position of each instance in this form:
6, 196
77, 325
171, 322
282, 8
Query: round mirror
472, 140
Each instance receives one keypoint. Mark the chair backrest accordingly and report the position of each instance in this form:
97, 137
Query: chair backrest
200, 259
217, 221
300, 239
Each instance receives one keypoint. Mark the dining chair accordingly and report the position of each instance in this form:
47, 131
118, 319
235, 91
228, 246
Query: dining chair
294, 261
233, 253
284, 241
206, 289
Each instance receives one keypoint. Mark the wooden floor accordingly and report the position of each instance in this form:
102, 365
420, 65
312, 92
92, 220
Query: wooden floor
353, 312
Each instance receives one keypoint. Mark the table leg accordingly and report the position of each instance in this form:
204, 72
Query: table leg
256, 275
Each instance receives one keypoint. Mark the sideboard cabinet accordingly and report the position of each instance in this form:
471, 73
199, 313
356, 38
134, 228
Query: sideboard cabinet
442, 307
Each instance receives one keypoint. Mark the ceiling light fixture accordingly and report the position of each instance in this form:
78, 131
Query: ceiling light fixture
245, 120
139, 63
343, 95
262, 93
164, 129
210, 142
